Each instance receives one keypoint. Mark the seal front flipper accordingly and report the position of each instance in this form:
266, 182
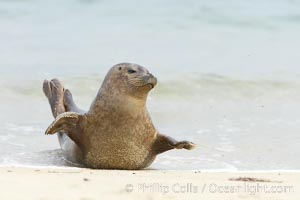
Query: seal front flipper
70, 122
164, 143
185, 145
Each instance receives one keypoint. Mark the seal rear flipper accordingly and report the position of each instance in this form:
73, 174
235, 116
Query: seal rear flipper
54, 91
70, 104
69, 122
164, 143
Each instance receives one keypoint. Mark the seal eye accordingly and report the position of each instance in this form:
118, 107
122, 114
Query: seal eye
131, 71
120, 68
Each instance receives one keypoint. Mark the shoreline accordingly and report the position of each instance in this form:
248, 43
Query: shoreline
237, 171
87, 184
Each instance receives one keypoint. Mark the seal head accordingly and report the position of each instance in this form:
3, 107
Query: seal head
129, 79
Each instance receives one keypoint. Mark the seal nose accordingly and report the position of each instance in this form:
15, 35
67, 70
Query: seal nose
152, 79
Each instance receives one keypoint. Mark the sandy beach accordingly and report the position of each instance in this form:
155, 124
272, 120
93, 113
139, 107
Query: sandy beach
86, 184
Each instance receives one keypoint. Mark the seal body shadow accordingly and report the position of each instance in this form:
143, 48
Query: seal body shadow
117, 131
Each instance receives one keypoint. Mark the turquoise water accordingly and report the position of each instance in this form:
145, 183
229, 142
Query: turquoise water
233, 37
228, 75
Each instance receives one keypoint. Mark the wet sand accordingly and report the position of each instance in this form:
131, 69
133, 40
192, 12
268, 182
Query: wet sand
87, 184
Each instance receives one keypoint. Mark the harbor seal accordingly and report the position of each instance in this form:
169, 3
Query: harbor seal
117, 131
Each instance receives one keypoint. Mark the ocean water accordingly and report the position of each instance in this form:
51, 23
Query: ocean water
228, 72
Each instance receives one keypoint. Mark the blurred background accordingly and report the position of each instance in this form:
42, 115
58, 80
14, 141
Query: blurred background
228, 75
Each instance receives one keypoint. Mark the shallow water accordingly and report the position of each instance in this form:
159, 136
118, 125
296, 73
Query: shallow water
228, 75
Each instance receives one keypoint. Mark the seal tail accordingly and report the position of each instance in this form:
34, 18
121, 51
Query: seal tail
54, 91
